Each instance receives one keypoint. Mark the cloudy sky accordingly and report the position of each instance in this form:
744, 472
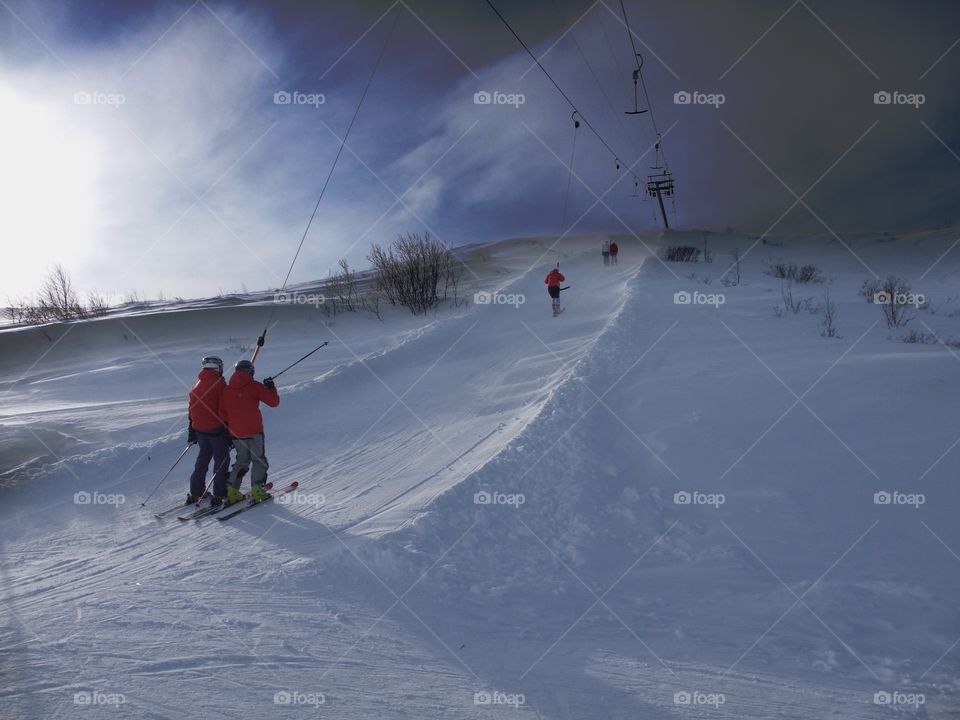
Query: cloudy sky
147, 145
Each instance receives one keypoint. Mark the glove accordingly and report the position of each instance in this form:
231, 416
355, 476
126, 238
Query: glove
269, 384
191, 436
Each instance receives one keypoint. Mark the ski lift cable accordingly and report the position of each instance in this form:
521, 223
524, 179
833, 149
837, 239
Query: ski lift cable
643, 83
343, 143
606, 96
626, 21
616, 62
333, 167
604, 92
610, 46
621, 72
566, 97
618, 116
573, 153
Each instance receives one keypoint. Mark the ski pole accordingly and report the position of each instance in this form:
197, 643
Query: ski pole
565, 288
325, 342
167, 475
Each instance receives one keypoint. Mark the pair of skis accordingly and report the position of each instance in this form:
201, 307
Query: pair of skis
213, 509
235, 508
238, 508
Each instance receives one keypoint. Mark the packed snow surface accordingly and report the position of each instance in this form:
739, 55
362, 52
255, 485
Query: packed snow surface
676, 499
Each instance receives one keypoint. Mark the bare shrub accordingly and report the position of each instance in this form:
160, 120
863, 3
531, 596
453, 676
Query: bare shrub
829, 316
58, 298
799, 274
342, 288
56, 301
789, 301
781, 269
868, 291
729, 282
683, 253
16, 311
97, 304
371, 303
894, 299
808, 274
920, 337
416, 271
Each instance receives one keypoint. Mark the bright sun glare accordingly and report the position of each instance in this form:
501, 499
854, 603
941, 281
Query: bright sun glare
48, 181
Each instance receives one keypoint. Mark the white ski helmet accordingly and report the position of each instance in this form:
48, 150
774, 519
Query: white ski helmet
212, 362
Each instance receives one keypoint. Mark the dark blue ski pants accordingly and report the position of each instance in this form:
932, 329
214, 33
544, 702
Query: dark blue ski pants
212, 446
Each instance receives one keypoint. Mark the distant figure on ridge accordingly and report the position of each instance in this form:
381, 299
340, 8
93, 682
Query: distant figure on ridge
614, 249
605, 251
205, 427
553, 280
240, 410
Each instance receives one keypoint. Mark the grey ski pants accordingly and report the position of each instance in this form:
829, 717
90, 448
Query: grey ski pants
250, 452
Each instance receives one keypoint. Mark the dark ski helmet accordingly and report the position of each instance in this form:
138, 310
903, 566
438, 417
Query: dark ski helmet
212, 362
244, 366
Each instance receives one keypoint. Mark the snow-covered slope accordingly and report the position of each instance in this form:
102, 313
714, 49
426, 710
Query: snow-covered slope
489, 502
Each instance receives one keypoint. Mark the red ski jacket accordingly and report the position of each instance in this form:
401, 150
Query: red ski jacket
204, 404
613, 248
240, 404
554, 278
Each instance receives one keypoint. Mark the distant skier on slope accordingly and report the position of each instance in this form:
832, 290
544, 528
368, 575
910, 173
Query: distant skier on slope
614, 249
605, 251
240, 410
553, 280
205, 427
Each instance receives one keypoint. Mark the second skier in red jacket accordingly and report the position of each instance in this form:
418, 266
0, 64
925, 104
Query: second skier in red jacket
553, 280
240, 410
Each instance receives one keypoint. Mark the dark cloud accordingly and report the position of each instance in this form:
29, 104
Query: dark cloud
798, 81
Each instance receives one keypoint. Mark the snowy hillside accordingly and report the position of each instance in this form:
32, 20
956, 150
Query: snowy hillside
642, 508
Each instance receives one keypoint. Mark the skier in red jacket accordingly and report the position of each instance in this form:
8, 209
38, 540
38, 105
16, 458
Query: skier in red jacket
614, 249
553, 280
240, 410
206, 429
